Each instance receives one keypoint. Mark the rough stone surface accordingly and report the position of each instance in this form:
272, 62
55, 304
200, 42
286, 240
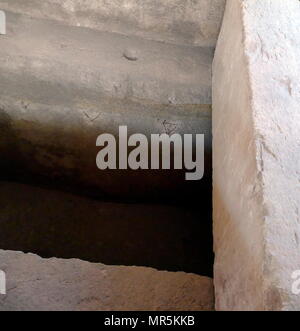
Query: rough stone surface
68, 57
52, 133
256, 155
61, 87
191, 22
55, 284
52, 223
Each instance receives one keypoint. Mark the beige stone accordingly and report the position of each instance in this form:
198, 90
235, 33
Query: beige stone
55, 284
190, 22
256, 155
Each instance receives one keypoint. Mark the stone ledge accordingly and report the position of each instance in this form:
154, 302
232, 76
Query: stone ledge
78, 58
177, 21
55, 284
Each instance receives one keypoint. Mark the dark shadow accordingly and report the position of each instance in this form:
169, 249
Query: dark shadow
51, 223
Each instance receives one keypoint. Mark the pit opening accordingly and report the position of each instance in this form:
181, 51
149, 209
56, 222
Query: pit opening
52, 223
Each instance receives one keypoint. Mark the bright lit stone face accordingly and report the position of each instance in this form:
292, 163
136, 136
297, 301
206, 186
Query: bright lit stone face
75, 285
256, 125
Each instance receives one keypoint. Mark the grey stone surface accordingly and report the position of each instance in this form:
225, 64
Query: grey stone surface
62, 86
70, 57
56, 138
71, 70
191, 22
256, 156
131, 54
35, 284
51, 115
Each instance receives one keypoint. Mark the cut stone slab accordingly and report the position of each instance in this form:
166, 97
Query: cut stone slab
256, 125
48, 133
35, 284
187, 22
78, 58
62, 86
52, 223
49, 128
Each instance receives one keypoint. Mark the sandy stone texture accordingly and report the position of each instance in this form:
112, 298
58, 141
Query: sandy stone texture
69, 58
256, 150
54, 104
55, 284
190, 22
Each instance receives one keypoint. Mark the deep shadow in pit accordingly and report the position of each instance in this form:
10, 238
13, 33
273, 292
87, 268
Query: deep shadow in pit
52, 223
167, 230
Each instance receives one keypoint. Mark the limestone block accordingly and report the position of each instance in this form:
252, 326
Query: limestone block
55, 138
62, 86
187, 22
55, 284
69, 58
256, 125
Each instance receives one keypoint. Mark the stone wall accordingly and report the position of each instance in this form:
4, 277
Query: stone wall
195, 22
54, 104
256, 151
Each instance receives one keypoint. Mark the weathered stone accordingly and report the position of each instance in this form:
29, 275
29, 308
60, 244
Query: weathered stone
56, 139
256, 155
179, 21
61, 87
55, 284
62, 84
71, 58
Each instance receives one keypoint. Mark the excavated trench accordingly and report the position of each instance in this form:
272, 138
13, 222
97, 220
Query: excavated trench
62, 85
50, 221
